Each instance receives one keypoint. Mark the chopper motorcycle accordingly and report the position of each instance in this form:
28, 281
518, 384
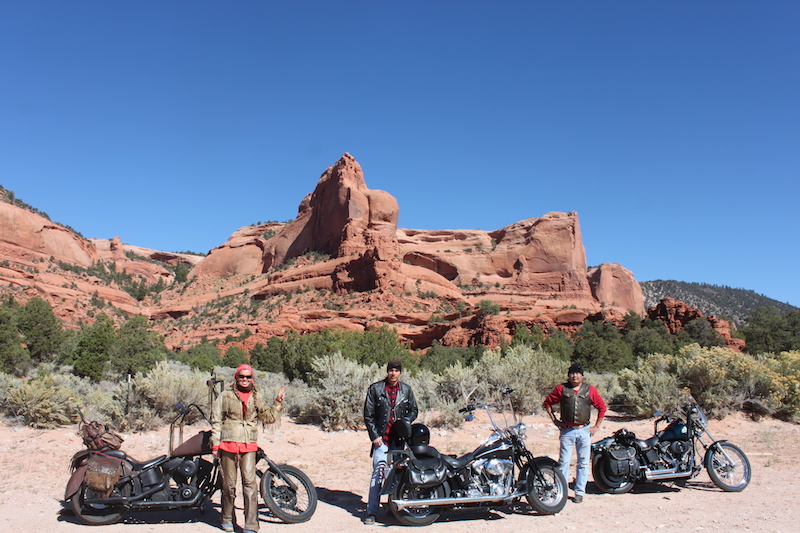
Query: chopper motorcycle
620, 460
108, 483
421, 481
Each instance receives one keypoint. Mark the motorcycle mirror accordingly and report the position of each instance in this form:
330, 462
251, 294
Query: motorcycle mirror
657, 413
469, 418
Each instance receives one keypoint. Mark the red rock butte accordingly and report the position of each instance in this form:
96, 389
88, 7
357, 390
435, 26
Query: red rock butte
341, 263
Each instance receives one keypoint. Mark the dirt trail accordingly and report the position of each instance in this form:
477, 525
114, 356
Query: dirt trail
34, 466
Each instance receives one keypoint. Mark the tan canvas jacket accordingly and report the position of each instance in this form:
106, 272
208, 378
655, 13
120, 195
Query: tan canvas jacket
227, 423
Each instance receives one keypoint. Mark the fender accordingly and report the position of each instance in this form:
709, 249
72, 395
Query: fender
545, 461
75, 481
705, 455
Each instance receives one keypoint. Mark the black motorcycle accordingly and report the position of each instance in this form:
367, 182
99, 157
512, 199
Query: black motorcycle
421, 482
108, 483
671, 454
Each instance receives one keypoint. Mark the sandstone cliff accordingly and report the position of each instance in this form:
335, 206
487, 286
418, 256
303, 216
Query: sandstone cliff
342, 263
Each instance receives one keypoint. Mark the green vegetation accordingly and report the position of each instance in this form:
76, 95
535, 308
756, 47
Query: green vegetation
719, 300
122, 372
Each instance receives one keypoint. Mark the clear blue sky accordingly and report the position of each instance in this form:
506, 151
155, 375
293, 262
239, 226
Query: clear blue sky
672, 128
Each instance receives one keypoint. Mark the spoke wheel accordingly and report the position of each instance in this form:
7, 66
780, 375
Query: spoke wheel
731, 475
95, 514
416, 516
547, 489
290, 505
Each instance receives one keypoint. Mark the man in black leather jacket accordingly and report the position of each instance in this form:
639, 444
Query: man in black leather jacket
388, 401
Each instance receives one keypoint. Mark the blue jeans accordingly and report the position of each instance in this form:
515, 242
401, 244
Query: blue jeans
580, 439
375, 483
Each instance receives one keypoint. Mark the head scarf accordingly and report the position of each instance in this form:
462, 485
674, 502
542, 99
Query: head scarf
236, 375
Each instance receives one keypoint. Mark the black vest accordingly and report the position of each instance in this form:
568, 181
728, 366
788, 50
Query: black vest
575, 406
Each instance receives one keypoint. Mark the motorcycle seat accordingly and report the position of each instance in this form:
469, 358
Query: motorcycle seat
421, 451
137, 465
457, 463
645, 445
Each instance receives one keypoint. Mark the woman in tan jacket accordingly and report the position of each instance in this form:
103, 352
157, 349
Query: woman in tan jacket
234, 440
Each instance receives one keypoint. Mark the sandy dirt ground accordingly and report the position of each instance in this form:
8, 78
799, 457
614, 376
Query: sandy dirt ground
34, 467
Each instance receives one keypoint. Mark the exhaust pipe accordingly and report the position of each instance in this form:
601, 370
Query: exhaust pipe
659, 475
402, 504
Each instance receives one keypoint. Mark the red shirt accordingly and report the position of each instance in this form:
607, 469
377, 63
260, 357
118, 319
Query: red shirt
391, 392
597, 401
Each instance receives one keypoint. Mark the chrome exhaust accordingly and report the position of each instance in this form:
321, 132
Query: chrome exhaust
402, 504
659, 475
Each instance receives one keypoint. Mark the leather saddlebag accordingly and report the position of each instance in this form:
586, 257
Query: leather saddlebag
622, 462
426, 472
102, 473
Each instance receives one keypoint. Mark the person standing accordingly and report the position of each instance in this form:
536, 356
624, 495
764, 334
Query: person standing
575, 400
234, 441
387, 401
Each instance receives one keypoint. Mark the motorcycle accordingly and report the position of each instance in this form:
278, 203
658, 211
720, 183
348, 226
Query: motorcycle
620, 460
108, 483
421, 481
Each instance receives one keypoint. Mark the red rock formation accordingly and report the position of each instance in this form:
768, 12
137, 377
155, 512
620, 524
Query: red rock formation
676, 314
614, 285
364, 272
32, 233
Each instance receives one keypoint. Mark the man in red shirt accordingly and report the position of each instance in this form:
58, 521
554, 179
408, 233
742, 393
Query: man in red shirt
575, 400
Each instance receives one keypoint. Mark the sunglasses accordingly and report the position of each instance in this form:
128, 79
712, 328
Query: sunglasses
244, 376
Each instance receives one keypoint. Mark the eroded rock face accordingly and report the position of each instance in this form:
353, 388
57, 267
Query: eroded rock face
362, 272
30, 232
676, 314
613, 284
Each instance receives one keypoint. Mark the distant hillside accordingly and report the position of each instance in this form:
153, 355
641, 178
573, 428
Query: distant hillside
719, 300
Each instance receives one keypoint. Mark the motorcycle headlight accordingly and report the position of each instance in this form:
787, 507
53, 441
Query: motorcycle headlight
520, 430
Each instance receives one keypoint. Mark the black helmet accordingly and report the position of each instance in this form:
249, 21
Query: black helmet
420, 436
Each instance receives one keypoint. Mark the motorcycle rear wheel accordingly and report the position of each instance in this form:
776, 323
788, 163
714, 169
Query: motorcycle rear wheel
95, 514
547, 489
416, 516
606, 481
730, 476
291, 506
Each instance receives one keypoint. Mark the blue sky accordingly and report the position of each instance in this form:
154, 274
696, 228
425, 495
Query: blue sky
672, 128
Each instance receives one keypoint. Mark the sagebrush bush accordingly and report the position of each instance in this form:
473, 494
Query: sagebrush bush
170, 383
651, 386
42, 404
530, 372
723, 380
787, 368
7, 382
338, 388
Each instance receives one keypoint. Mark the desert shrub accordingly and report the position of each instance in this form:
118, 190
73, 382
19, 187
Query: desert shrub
439, 357
488, 307
787, 367
652, 385
532, 373
436, 409
338, 388
7, 382
169, 383
42, 404
723, 380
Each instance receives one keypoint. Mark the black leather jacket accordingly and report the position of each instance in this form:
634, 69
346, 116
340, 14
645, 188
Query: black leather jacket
377, 409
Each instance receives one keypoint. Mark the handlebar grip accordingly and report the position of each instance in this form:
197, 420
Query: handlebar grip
467, 409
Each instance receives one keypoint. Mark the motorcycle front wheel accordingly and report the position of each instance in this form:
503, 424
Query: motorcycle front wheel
728, 467
290, 505
606, 481
547, 489
95, 514
416, 516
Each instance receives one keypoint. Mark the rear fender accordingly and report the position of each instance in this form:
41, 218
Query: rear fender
75, 481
